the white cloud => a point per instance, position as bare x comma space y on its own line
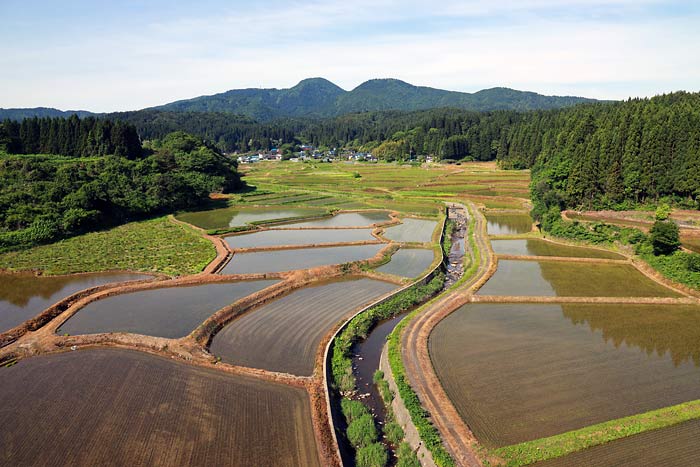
278, 47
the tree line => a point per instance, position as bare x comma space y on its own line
71, 136
47, 197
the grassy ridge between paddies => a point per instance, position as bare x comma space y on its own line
156, 245
577, 440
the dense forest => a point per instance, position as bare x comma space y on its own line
610, 156
47, 197
73, 137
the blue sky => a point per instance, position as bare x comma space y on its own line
122, 55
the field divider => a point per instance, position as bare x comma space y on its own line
608, 300
566, 443
567, 259
327, 356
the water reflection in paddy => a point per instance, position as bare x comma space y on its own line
24, 296
508, 224
166, 312
302, 258
517, 372
570, 279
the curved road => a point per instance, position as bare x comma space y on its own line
456, 435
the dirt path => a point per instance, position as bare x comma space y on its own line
456, 435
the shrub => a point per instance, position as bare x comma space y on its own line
407, 458
352, 410
373, 455
693, 262
394, 433
665, 237
361, 431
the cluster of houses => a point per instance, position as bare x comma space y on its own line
307, 152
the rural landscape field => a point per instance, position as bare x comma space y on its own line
474, 242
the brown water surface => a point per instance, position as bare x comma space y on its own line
167, 312
301, 258
284, 335
521, 372
570, 279
508, 224
537, 247
24, 296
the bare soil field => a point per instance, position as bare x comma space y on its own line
675, 446
24, 295
132, 408
301, 258
518, 372
284, 335
166, 312
571, 279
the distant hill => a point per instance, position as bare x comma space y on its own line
21, 114
318, 97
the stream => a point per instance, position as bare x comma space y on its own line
366, 354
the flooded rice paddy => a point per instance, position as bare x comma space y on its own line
412, 230
284, 335
508, 224
171, 312
346, 219
24, 296
675, 446
133, 408
570, 279
302, 258
408, 262
537, 247
268, 238
237, 217
521, 372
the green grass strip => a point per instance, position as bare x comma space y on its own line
577, 440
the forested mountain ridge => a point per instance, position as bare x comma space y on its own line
318, 97
41, 112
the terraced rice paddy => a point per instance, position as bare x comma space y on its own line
570, 279
691, 243
119, 407
408, 262
168, 312
508, 224
521, 372
284, 335
675, 446
537, 247
237, 217
412, 230
268, 238
24, 296
347, 219
302, 258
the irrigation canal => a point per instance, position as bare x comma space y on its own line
366, 354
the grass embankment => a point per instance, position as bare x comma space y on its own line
361, 430
577, 440
156, 245
680, 267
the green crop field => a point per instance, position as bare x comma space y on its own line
157, 245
